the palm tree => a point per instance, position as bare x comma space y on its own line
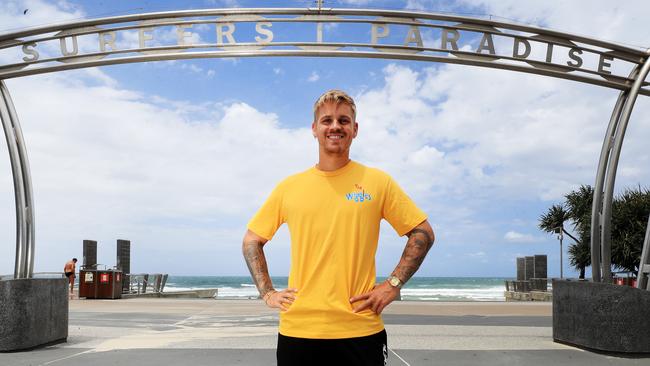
553, 222
554, 219
577, 210
579, 204
629, 220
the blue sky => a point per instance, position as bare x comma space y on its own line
176, 156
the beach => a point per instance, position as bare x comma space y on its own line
162, 332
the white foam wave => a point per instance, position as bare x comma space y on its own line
422, 294
478, 294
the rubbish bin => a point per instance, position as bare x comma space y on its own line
109, 284
88, 283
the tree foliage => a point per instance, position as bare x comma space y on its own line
630, 212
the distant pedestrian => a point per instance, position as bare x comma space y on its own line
69, 270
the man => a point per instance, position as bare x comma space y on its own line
331, 310
69, 270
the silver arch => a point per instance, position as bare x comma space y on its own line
409, 45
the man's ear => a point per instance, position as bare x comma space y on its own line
313, 129
356, 129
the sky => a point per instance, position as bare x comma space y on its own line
176, 156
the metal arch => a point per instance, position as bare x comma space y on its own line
630, 87
312, 11
541, 37
596, 215
25, 230
611, 171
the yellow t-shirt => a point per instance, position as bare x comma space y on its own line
333, 220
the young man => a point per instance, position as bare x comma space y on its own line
69, 270
330, 314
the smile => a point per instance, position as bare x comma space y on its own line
335, 137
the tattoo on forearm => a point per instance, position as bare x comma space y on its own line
417, 247
256, 262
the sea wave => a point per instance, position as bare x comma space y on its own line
418, 289
454, 294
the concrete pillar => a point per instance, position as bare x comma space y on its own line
521, 268
541, 266
33, 313
124, 261
530, 268
90, 253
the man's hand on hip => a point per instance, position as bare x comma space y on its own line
281, 299
377, 299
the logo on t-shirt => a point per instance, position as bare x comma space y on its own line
359, 196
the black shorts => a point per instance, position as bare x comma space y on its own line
371, 350
68, 274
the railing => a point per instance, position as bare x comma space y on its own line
140, 283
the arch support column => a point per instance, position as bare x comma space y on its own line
23, 195
601, 217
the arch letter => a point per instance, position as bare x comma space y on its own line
515, 48
446, 39
104, 40
602, 64
413, 36
182, 34
486, 44
375, 35
549, 52
228, 33
259, 28
573, 54
64, 46
145, 36
30, 52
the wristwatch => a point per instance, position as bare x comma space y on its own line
395, 282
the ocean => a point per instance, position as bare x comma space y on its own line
418, 288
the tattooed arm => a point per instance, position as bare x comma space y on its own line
420, 240
252, 248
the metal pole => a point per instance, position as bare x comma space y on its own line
30, 231
20, 270
600, 181
561, 266
610, 179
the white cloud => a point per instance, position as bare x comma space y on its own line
468, 144
313, 77
515, 237
113, 164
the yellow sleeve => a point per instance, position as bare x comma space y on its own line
269, 217
399, 210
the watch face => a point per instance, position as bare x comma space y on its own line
394, 281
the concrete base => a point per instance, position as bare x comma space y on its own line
33, 312
601, 316
528, 296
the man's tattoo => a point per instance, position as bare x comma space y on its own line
417, 247
256, 262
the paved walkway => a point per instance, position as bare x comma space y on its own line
240, 332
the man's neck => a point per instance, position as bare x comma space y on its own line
329, 163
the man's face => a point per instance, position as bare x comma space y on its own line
335, 128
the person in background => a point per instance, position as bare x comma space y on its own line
69, 270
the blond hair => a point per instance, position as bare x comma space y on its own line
337, 96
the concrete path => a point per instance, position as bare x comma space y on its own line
240, 332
